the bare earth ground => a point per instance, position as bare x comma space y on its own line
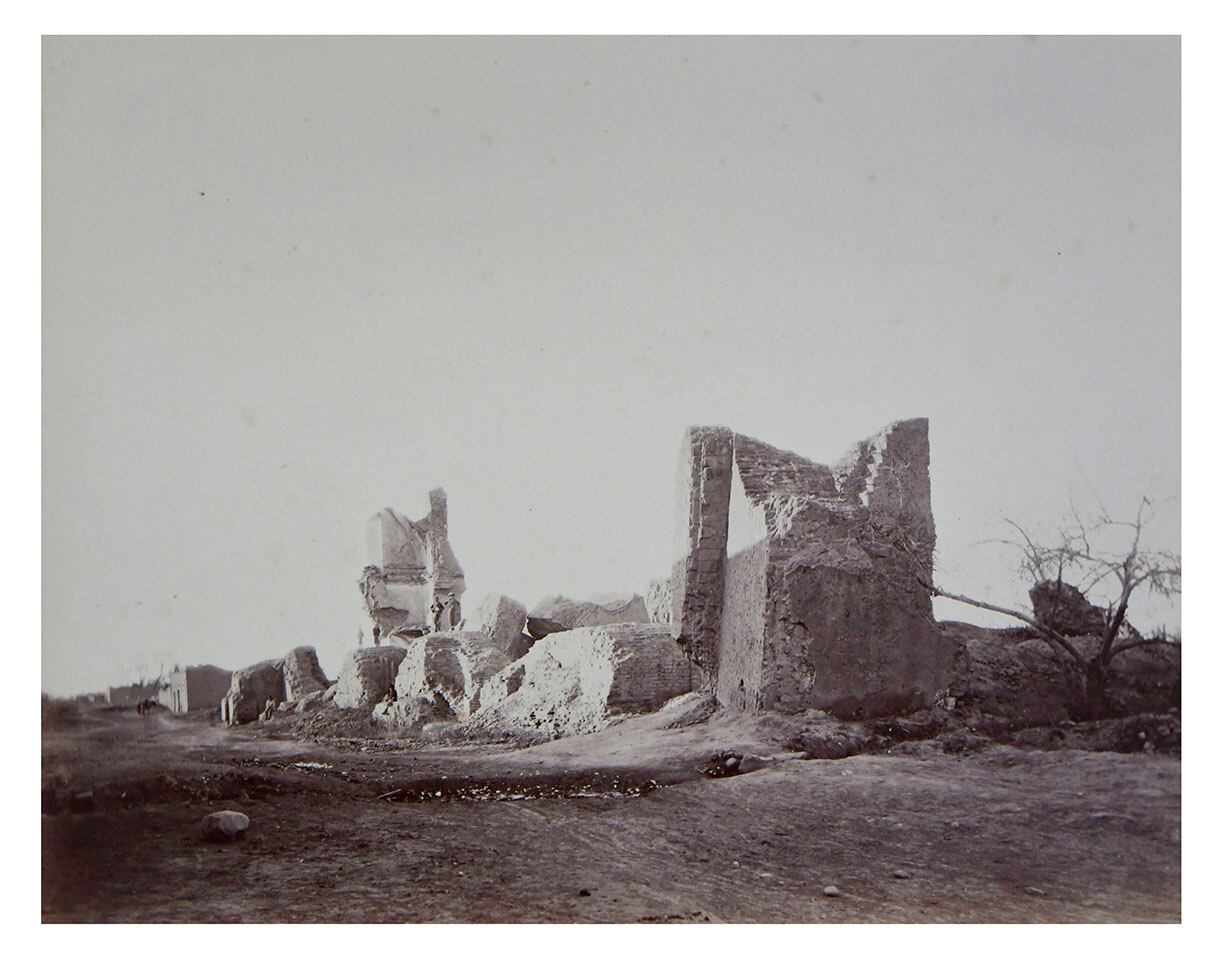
1097, 835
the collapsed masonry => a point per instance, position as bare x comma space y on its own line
411, 569
279, 681
799, 584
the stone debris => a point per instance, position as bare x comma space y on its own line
799, 583
411, 569
446, 669
585, 614
503, 621
302, 674
251, 689
539, 628
367, 675
311, 701
900, 873
226, 826
578, 681
831, 891
1033, 890
752, 763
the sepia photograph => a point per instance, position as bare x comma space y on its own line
610, 478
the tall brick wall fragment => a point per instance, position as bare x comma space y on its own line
697, 580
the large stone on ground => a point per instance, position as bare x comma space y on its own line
1065, 609
629, 609
224, 826
366, 675
447, 669
502, 620
579, 681
302, 674
251, 688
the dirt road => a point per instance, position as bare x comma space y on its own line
1003, 835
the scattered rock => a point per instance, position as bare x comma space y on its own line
1033, 890
901, 873
226, 826
584, 893
831, 891
732, 762
751, 763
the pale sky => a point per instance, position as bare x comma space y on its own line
288, 282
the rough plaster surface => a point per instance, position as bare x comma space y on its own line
577, 681
657, 601
367, 674
817, 603
629, 609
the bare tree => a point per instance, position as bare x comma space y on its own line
1105, 555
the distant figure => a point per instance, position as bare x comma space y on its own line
453, 611
375, 634
360, 637
390, 698
436, 610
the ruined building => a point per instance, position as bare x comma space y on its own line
800, 585
197, 686
410, 565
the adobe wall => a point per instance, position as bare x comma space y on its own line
198, 687
818, 603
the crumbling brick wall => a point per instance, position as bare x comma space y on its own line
819, 598
697, 581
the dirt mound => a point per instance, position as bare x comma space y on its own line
1002, 673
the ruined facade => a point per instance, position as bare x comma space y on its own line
800, 585
409, 564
